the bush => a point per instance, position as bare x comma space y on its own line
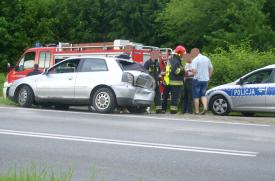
2, 80
237, 61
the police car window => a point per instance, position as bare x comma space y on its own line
94, 65
69, 66
260, 77
272, 79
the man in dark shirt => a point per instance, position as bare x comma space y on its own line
35, 71
127, 52
153, 67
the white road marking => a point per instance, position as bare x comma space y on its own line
130, 143
138, 116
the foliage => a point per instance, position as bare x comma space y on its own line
211, 24
237, 61
35, 174
2, 80
205, 24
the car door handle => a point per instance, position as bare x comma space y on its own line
70, 78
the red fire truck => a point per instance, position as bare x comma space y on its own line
51, 54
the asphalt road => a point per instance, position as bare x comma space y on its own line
125, 147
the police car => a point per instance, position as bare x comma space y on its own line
254, 92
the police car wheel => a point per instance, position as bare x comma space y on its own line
219, 105
103, 101
25, 97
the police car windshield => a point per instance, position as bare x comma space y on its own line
130, 65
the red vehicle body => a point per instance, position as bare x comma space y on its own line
47, 56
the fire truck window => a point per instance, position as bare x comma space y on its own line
28, 62
44, 59
93, 65
69, 66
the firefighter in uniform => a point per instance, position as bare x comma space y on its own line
153, 67
176, 77
167, 88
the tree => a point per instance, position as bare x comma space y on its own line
210, 24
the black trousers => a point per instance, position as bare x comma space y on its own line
175, 96
157, 99
165, 96
188, 98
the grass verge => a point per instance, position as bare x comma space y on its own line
35, 174
2, 80
6, 102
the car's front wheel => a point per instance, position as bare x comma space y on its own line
25, 96
219, 105
103, 100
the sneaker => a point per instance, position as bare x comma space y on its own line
203, 112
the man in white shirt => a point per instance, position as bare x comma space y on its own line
202, 69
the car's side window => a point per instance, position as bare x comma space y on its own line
44, 59
94, 65
260, 77
272, 79
69, 66
27, 62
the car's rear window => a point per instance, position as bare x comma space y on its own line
130, 65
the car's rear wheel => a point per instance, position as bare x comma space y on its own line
103, 100
25, 96
219, 105
137, 109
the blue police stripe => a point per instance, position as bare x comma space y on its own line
270, 91
244, 92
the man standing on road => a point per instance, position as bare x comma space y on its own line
188, 79
202, 69
167, 88
176, 74
153, 67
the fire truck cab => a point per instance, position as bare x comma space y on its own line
51, 54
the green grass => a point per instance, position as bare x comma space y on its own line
6, 102
35, 174
2, 80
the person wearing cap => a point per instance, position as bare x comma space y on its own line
175, 77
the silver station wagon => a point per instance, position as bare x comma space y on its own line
254, 92
101, 83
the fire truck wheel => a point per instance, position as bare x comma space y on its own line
25, 96
137, 109
103, 100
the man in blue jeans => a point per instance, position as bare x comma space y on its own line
202, 69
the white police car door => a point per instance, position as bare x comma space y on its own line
270, 93
251, 95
